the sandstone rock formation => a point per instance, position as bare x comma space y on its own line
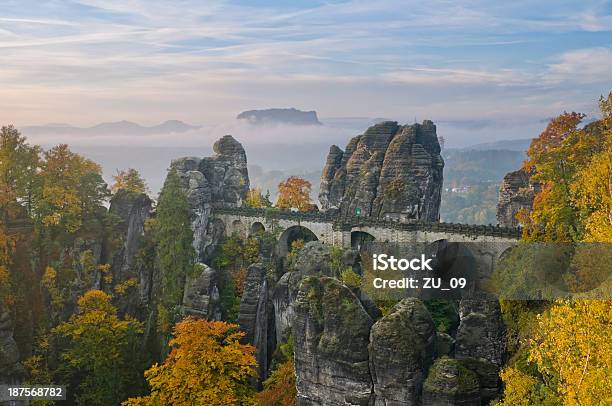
331, 332
390, 171
313, 259
132, 210
401, 350
517, 192
256, 317
201, 295
220, 180
450, 383
481, 332
11, 370
226, 172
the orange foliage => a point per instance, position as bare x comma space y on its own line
238, 277
280, 387
294, 193
207, 366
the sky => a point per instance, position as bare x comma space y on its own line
498, 67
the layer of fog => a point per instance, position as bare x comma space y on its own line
274, 152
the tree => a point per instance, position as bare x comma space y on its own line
100, 351
129, 180
174, 240
72, 189
555, 160
207, 366
19, 163
279, 388
566, 354
294, 193
592, 187
572, 349
255, 198
572, 353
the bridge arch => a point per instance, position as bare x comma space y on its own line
257, 228
292, 234
238, 227
359, 238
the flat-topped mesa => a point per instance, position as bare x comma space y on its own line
391, 171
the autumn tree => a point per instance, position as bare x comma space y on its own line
255, 198
294, 193
592, 187
565, 356
572, 350
558, 159
279, 388
71, 189
207, 366
99, 352
18, 167
129, 180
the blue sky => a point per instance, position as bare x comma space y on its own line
503, 63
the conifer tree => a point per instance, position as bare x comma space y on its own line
174, 239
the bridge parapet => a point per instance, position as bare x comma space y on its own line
349, 222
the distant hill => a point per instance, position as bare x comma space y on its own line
471, 183
512, 145
468, 167
280, 116
113, 128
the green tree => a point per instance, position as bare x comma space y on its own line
255, 198
100, 350
19, 163
174, 240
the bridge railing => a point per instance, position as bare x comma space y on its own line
345, 222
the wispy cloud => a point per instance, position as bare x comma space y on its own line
90, 60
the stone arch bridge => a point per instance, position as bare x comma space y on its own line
349, 231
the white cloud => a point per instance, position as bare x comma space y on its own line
444, 77
588, 65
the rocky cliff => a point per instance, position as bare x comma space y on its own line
131, 210
331, 331
401, 351
220, 180
256, 317
11, 371
390, 171
517, 192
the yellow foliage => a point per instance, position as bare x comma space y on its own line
6, 295
100, 350
254, 198
123, 287
294, 193
279, 388
207, 366
519, 388
130, 181
592, 192
573, 350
